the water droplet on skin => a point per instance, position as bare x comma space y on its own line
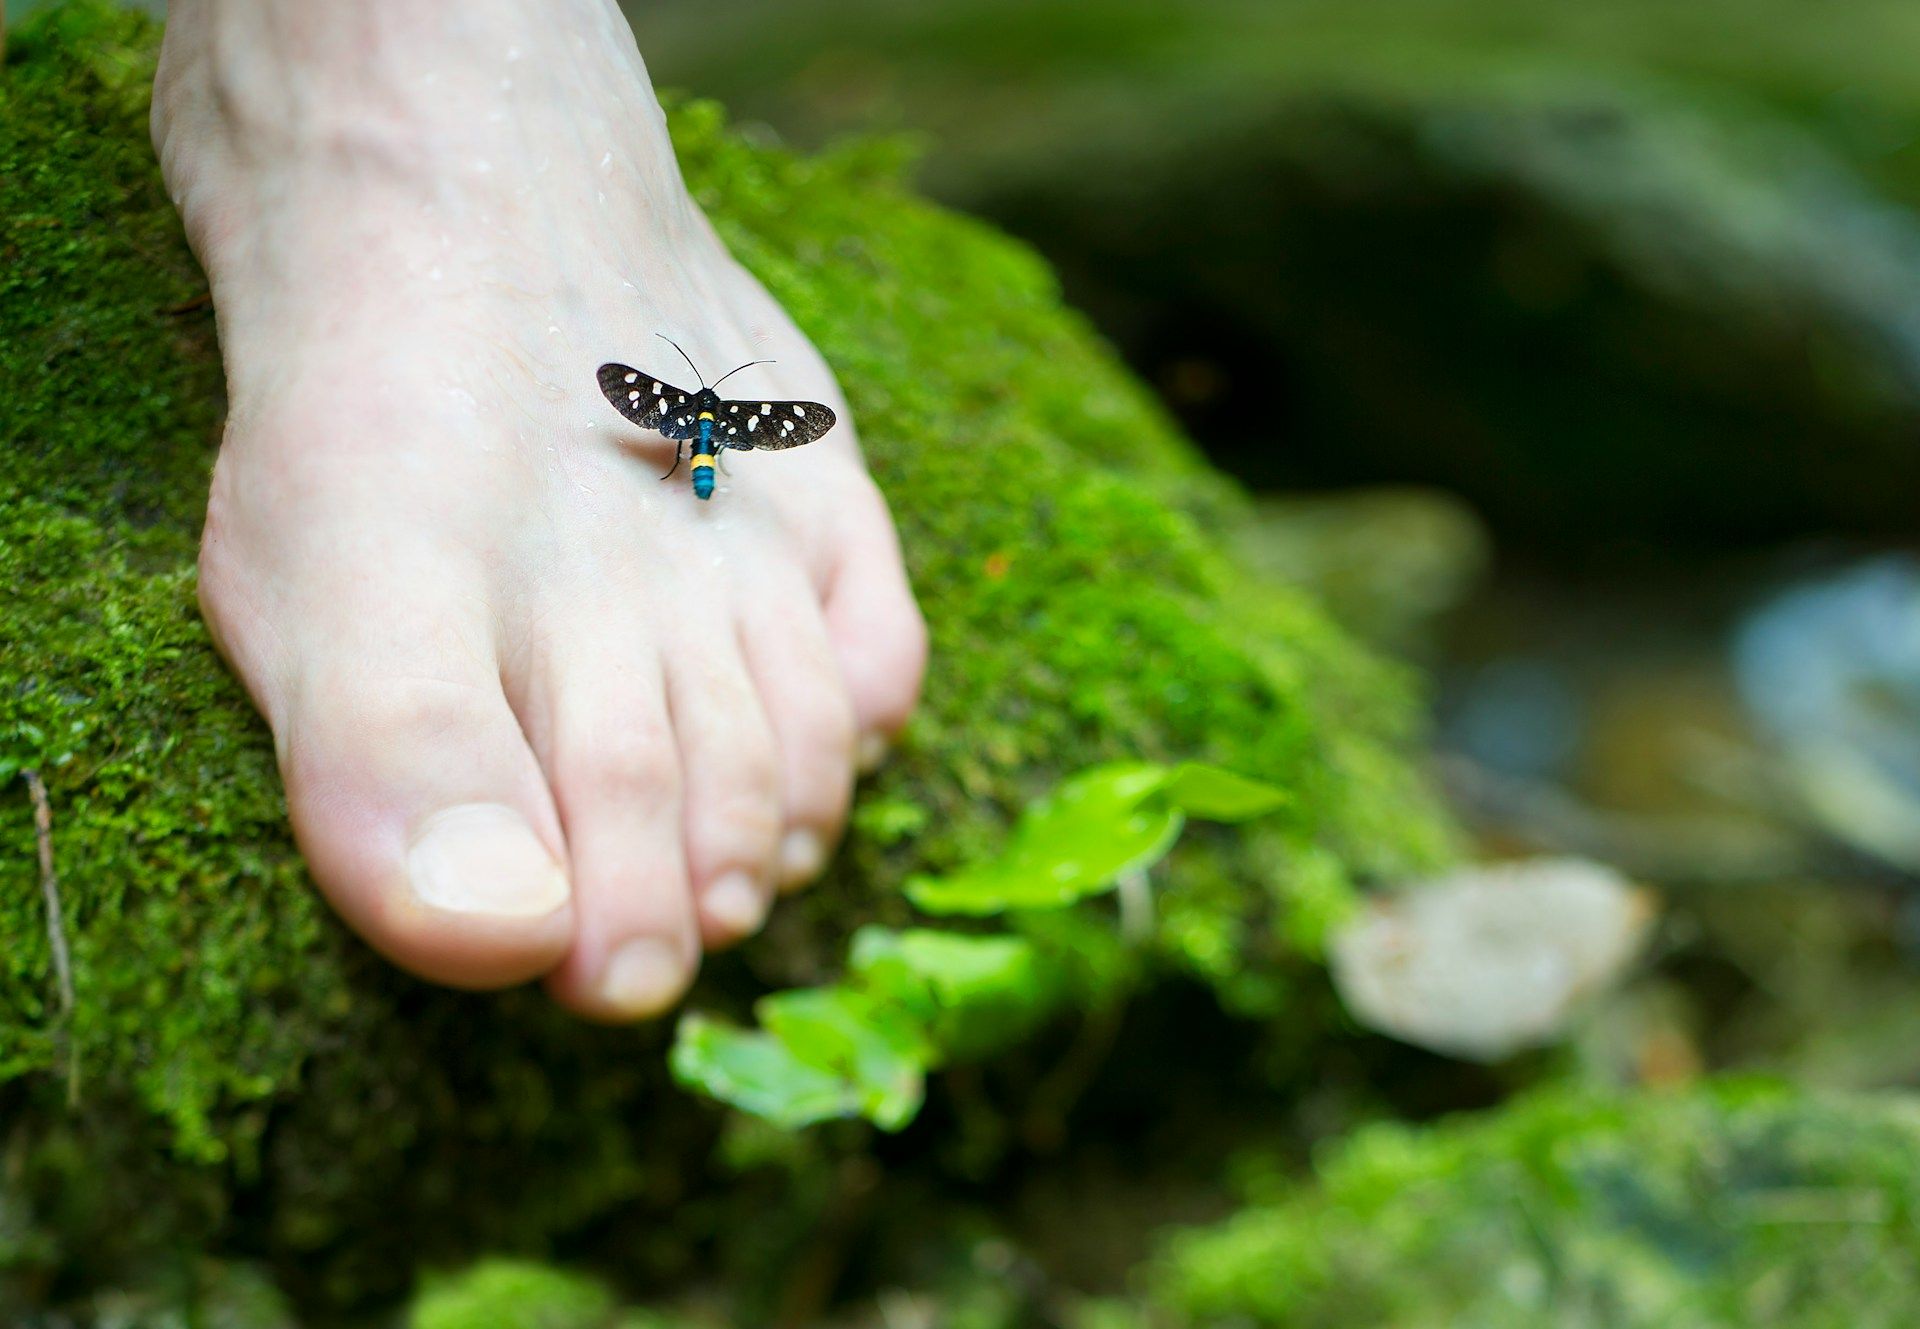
606, 161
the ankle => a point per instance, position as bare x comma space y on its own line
407, 86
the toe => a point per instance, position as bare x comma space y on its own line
878, 635
798, 678
601, 729
425, 817
732, 771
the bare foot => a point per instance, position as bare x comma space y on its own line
538, 712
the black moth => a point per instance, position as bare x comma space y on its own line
711, 423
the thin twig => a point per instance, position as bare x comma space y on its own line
50, 889
56, 925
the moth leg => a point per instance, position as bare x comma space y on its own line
679, 448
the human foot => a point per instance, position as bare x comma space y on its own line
537, 712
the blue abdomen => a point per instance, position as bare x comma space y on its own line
703, 453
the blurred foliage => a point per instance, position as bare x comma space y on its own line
1746, 1205
512, 1294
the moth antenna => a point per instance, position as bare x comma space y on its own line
684, 356
731, 372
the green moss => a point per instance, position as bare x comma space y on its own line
240, 1074
1737, 1205
508, 1294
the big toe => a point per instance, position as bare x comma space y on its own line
423, 813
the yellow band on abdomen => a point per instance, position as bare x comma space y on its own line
704, 461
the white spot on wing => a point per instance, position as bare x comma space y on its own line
634, 395
752, 420
766, 408
798, 409
659, 388
633, 378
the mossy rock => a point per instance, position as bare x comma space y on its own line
238, 1074
1730, 1207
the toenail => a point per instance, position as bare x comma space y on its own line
644, 977
735, 905
483, 858
802, 855
872, 751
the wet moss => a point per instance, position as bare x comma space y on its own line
238, 1074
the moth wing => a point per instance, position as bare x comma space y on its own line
649, 402
773, 425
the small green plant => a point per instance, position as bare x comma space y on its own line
914, 998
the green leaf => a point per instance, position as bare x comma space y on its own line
1216, 794
877, 1048
1075, 843
968, 991
950, 969
758, 1073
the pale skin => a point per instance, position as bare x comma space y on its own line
539, 713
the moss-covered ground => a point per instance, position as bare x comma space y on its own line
239, 1077
1739, 1206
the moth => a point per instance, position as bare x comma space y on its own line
711, 423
